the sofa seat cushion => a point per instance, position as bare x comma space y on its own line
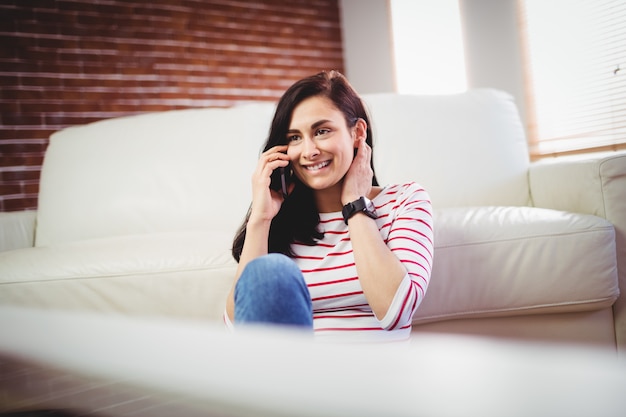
503, 261
184, 274
489, 261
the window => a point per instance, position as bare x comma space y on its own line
576, 75
428, 46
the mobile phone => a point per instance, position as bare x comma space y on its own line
279, 180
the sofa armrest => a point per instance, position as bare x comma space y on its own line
590, 185
17, 229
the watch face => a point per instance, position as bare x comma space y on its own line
369, 207
361, 205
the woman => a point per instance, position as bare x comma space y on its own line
347, 257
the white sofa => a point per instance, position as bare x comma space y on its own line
137, 214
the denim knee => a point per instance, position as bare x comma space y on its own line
271, 289
274, 266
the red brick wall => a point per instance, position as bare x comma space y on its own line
67, 62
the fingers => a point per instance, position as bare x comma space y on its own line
277, 153
273, 158
269, 161
282, 149
358, 180
265, 201
363, 146
364, 153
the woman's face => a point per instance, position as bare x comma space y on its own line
321, 146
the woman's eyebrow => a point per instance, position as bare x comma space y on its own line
318, 123
313, 126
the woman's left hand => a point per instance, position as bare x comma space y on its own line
358, 179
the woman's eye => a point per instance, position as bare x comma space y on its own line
293, 138
320, 132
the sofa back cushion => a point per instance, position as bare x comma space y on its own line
191, 169
466, 149
159, 172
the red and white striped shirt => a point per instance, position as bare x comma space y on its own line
340, 309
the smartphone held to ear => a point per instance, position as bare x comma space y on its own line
279, 180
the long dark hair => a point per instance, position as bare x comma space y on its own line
298, 218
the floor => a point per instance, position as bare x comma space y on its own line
28, 390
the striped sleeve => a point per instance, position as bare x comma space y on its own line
408, 228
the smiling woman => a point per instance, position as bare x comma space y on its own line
338, 253
323, 149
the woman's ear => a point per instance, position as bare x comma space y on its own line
360, 131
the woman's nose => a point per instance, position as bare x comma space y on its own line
309, 149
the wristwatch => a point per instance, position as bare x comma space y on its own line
362, 204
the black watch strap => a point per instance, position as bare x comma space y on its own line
360, 205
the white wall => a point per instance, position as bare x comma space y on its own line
491, 42
368, 45
493, 53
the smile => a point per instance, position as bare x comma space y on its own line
317, 166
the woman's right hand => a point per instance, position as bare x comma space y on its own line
265, 206
265, 201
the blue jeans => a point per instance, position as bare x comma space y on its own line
271, 290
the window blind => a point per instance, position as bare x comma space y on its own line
576, 74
